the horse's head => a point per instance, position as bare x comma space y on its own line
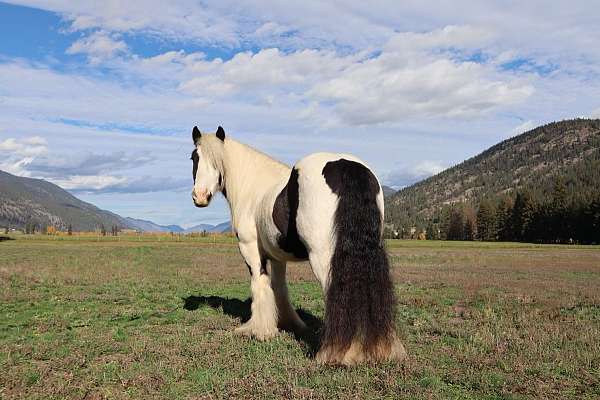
208, 165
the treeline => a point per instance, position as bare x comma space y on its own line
33, 227
524, 216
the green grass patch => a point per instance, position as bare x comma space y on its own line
110, 319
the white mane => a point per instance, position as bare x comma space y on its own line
248, 173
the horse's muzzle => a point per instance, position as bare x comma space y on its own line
201, 201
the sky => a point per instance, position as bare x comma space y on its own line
101, 97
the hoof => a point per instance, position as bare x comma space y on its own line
385, 350
250, 329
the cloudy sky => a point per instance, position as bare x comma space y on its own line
100, 96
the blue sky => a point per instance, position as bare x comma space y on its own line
100, 97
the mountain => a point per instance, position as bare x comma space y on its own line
387, 191
224, 227
534, 160
27, 200
36, 201
149, 226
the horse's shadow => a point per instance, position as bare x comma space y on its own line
236, 308
4, 238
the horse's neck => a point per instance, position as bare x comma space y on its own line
249, 175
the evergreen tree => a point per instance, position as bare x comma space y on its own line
504, 230
486, 221
524, 212
593, 218
541, 227
470, 228
456, 224
432, 232
559, 226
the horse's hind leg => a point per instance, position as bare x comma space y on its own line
288, 318
263, 322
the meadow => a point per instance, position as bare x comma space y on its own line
153, 317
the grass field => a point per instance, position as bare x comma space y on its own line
97, 318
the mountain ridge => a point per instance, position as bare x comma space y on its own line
533, 159
36, 201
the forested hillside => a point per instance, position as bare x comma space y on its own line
542, 185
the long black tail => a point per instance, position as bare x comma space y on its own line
360, 302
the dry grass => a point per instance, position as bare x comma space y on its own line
87, 319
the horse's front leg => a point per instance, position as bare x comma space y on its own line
263, 322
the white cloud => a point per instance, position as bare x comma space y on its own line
428, 168
522, 128
17, 154
270, 30
360, 88
385, 90
268, 70
448, 37
595, 113
38, 92
89, 183
98, 46
177, 20
27, 147
565, 31
120, 184
79, 163
408, 174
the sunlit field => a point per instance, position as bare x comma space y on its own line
153, 317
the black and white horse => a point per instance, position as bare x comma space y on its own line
328, 209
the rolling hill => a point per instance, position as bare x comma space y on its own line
568, 149
224, 227
27, 200
149, 226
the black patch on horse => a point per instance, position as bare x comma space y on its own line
359, 303
285, 211
263, 266
195, 158
223, 190
350, 176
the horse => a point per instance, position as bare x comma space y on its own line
327, 209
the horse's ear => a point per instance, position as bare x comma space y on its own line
196, 134
221, 133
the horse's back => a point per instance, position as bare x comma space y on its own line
298, 217
327, 175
